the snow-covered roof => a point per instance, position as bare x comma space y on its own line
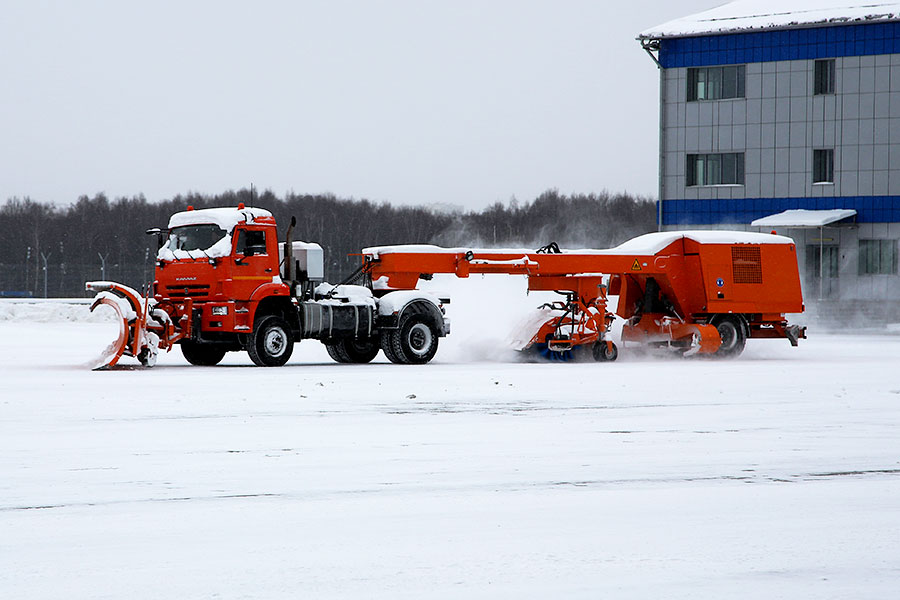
754, 15
804, 218
651, 243
226, 218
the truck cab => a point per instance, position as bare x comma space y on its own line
224, 262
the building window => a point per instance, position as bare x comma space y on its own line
715, 169
823, 82
716, 83
877, 257
823, 166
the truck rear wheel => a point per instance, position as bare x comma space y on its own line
731, 330
360, 351
387, 345
336, 352
271, 342
202, 355
353, 351
414, 342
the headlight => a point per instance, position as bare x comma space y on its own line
219, 311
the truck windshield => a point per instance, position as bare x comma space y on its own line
195, 237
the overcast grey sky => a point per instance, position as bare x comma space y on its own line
412, 102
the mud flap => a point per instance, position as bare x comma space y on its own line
794, 333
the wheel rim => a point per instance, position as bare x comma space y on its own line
602, 352
728, 333
419, 339
275, 342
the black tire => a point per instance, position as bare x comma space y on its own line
271, 342
202, 355
336, 352
360, 351
414, 342
732, 332
353, 351
387, 346
605, 353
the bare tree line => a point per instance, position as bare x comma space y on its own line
56, 249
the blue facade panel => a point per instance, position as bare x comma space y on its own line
869, 209
794, 44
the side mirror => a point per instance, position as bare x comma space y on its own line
159, 233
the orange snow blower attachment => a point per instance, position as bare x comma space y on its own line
700, 292
132, 318
144, 327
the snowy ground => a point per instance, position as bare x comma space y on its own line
775, 475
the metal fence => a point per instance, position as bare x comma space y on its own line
66, 280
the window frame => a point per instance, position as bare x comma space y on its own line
823, 166
824, 71
713, 169
242, 244
878, 256
710, 83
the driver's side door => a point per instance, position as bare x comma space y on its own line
252, 264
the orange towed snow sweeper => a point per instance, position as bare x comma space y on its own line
702, 292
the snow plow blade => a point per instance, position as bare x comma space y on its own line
128, 305
114, 351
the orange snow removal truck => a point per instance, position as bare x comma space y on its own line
223, 282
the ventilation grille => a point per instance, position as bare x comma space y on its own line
746, 265
187, 291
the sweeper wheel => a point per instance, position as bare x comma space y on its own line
605, 352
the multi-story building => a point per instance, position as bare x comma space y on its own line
786, 116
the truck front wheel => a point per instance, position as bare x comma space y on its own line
202, 355
271, 342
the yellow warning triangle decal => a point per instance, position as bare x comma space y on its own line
636, 266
